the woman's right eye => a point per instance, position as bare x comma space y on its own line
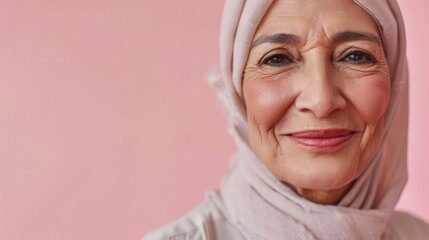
277, 60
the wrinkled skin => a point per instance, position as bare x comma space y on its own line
317, 81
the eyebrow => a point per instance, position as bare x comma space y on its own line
276, 38
287, 38
355, 36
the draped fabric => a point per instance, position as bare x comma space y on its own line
261, 206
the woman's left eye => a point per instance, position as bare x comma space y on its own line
358, 57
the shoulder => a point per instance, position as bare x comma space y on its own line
406, 226
205, 221
186, 227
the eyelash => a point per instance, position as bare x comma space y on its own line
279, 57
284, 59
367, 58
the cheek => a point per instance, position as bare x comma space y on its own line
370, 96
266, 101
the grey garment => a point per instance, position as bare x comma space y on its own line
207, 222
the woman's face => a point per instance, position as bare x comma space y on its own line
316, 88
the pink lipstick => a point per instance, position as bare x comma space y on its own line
323, 138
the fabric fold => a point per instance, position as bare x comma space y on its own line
254, 199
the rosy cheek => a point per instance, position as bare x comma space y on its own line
266, 101
370, 96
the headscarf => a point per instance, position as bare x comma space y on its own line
261, 205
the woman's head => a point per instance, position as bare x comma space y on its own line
379, 169
316, 87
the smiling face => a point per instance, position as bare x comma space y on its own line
316, 87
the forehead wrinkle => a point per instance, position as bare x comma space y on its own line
285, 10
316, 37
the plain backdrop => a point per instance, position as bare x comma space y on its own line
108, 127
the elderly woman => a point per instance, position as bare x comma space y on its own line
317, 96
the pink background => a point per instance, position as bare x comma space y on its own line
108, 127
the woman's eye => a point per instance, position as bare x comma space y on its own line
358, 57
277, 60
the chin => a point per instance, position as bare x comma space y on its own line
323, 180
323, 172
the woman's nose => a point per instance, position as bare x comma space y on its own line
320, 93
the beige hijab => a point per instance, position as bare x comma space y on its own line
258, 203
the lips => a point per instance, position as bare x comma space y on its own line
322, 139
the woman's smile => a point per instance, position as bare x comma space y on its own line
325, 140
